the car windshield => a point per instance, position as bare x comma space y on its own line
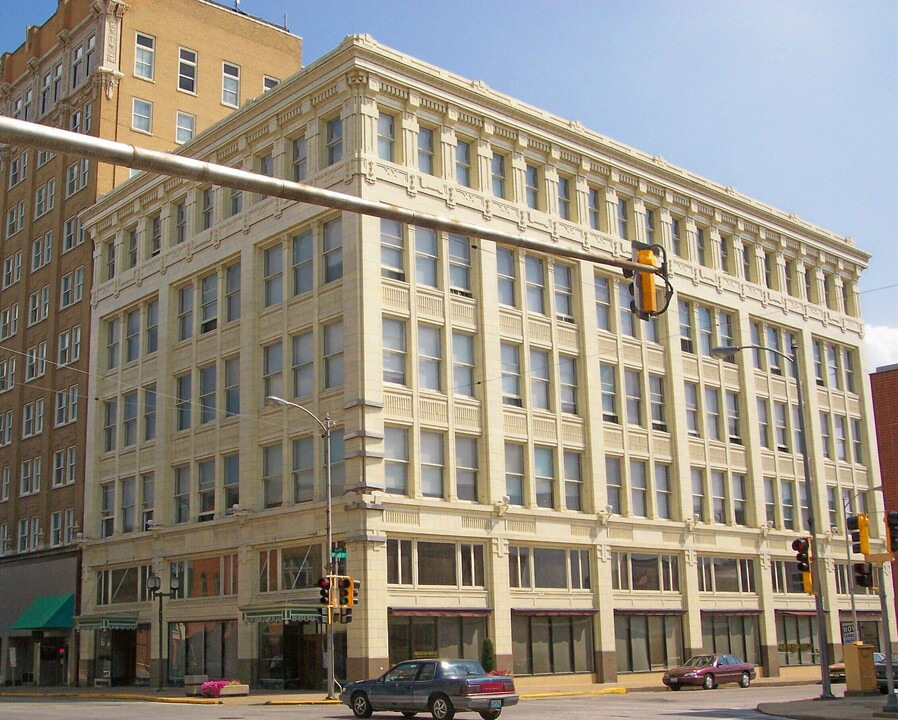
700, 661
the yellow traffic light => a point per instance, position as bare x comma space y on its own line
648, 294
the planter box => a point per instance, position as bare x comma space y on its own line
192, 684
234, 690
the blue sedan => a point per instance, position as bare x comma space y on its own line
440, 687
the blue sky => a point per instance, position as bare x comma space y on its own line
792, 102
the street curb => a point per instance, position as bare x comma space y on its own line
106, 696
524, 696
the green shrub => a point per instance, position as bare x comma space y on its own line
488, 655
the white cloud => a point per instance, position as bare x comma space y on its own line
881, 346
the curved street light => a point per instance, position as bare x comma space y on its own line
729, 351
325, 426
154, 585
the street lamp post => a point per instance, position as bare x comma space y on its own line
329, 567
154, 585
728, 351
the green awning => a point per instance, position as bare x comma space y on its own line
46, 612
282, 613
106, 622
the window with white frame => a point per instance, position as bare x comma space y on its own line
396, 460
510, 356
395, 350
12, 269
497, 174
430, 358
635, 572
506, 270
726, 575
459, 265
185, 127
9, 321
187, 70
463, 167
386, 136
230, 84
6, 428
392, 249
432, 463
333, 139
536, 283
144, 56
332, 254
36, 361
66, 408
7, 374
466, 467
426, 151
142, 115
333, 354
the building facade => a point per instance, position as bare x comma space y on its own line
119, 71
884, 386
515, 456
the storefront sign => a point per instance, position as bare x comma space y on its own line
12, 656
848, 633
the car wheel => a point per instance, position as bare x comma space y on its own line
675, 687
441, 708
490, 714
708, 682
361, 706
745, 680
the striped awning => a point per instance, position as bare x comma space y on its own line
106, 622
282, 613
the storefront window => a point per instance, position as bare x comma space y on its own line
732, 634
796, 639
203, 648
648, 642
551, 644
436, 636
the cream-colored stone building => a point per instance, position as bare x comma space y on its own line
119, 71
515, 457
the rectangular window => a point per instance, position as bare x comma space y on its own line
506, 269
608, 375
432, 464
622, 218
332, 255
185, 313
187, 70
386, 137
662, 491
698, 494
564, 292
514, 473
144, 51
430, 358
656, 400
573, 480
539, 379
129, 418
544, 476
564, 197
149, 412
686, 335
463, 364
603, 303
142, 115
633, 388
466, 466
230, 84
205, 471
712, 413
511, 374
638, 489
733, 426
426, 152
272, 476
459, 265
497, 174
531, 186
567, 383
536, 282
426, 257
232, 386
333, 141
463, 163
691, 392
300, 159
272, 370
183, 400
392, 250
208, 393
333, 355
763, 423
185, 127
396, 460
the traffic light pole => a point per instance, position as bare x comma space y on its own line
891, 705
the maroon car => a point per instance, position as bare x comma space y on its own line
709, 671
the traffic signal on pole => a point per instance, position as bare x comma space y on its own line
643, 286
356, 584
345, 615
859, 527
326, 586
802, 548
344, 588
863, 574
892, 530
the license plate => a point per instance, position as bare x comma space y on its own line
494, 704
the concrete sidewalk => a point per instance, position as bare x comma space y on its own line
857, 708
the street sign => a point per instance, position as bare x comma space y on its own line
848, 633
338, 554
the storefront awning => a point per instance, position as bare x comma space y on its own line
440, 612
548, 613
47, 612
282, 613
106, 622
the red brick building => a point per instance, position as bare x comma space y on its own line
884, 385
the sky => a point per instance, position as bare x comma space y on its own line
791, 102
